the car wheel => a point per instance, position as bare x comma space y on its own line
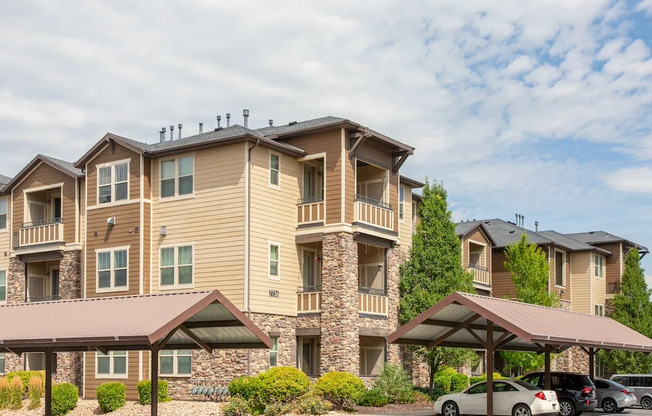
450, 409
646, 402
566, 408
609, 405
521, 410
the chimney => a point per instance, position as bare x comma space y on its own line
271, 122
180, 127
201, 128
228, 119
245, 114
162, 133
536, 225
171, 132
219, 119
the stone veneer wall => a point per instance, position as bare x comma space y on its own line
16, 281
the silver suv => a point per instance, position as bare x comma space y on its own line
640, 383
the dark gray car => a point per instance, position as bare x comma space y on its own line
613, 397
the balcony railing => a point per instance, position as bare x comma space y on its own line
310, 210
613, 288
372, 301
40, 232
42, 298
373, 212
480, 274
308, 299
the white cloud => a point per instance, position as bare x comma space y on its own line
638, 180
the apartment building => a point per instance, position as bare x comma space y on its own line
477, 257
302, 226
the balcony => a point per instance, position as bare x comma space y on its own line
613, 288
42, 298
41, 232
480, 275
372, 212
372, 301
310, 210
309, 299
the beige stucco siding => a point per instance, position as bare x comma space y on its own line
274, 220
581, 282
212, 219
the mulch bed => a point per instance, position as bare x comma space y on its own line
393, 408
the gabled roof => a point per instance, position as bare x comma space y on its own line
4, 180
603, 237
517, 326
505, 233
58, 164
413, 183
571, 243
465, 228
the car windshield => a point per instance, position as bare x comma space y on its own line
526, 385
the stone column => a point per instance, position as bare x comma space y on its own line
16, 281
70, 275
393, 295
340, 349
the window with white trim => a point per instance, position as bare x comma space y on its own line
3, 213
599, 310
112, 182
176, 267
372, 359
112, 270
177, 176
113, 364
274, 169
175, 363
598, 263
273, 352
401, 202
274, 261
3, 286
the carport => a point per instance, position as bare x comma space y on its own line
464, 320
191, 320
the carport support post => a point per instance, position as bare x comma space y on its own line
49, 355
546, 354
592, 363
490, 368
154, 379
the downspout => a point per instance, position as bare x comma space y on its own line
247, 242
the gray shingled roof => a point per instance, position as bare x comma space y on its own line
302, 125
505, 233
603, 237
465, 227
4, 179
68, 166
572, 244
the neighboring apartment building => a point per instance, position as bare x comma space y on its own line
477, 254
302, 226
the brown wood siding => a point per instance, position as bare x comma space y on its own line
102, 236
5, 236
567, 288
580, 283
329, 143
405, 226
612, 267
45, 175
147, 180
350, 190
502, 283
91, 384
109, 155
393, 197
147, 246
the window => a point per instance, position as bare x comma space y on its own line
311, 270
112, 270
176, 266
112, 182
560, 268
371, 359
273, 353
599, 310
599, 265
175, 363
401, 201
274, 170
3, 286
3, 213
113, 364
308, 355
478, 389
274, 261
177, 177
2, 363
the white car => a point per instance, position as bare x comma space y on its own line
511, 397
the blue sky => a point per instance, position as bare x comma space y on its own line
542, 107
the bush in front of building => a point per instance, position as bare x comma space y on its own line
16, 394
477, 379
144, 388
25, 376
246, 387
35, 391
372, 398
395, 383
282, 385
236, 406
339, 388
441, 384
111, 396
64, 398
459, 382
5, 393
309, 404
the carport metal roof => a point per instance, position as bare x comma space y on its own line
190, 320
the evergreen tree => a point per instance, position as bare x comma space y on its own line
434, 271
631, 307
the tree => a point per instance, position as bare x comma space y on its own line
434, 271
631, 307
530, 272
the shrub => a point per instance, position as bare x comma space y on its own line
275, 409
237, 406
282, 384
339, 388
5, 393
441, 384
111, 396
246, 387
459, 382
447, 370
64, 398
395, 383
477, 379
16, 394
144, 388
35, 391
372, 398
420, 397
309, 404
25, 376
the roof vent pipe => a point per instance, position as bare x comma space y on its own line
522, 220
171, 132
180, 127
536, 225
516, 215
162, 133
271, 122
219, 119
201, 128
228, 119
245, 114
